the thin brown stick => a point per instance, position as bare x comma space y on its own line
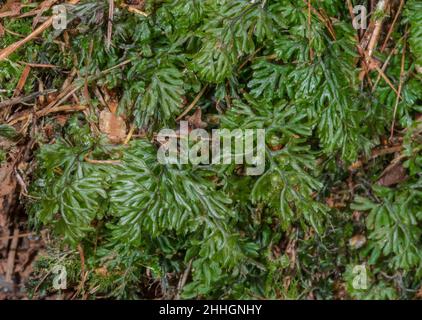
387, 61
375, 154
193, 104
390, 31
14, 11
42, 281
359, 45
350, 7
13, 33
44, 112
21, 235
64, 108
311, 51
116, 66
183, 280
157, 138
364, 39
44, 6
403, 59
251, 57
110, 22
326, 21
133, 9
15, 46
29, 14
38, 65
11, 257
82, 257
8, 14
381, 6
382, 74
62, 97
93, 161
70, 89
130, 134
22, 81
22, 99
384, 151
352, 17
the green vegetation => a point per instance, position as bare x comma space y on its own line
333, 194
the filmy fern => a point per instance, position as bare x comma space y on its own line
269, 64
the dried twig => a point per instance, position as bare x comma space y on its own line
323, 19
44, 112
193, 104
382, 74
70, 89
14, 7
30, 13
93, 161
183, 280
311, 51
12, 32
133, 9
129, 135
82, 257
22, 81
392, 26
49, 272
381, 6
11, 257
375, 154
15, 46
403, 59
383, 151
21, 235
387, 61
38, 65
110, 22
27, 98
44, 6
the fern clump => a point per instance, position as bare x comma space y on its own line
341, 185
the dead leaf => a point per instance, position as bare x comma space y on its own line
330, 202
62, 119
212, 119
10, 9
196, 120
1, 30
112, 105
392, 175
357, 241
374, 64
112, 125
52, 97
49, 130
22, 81
291, 251
7, 192
340, 291
44, 6
139, 4
102, 271
355, 165
419, 293
356, 216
